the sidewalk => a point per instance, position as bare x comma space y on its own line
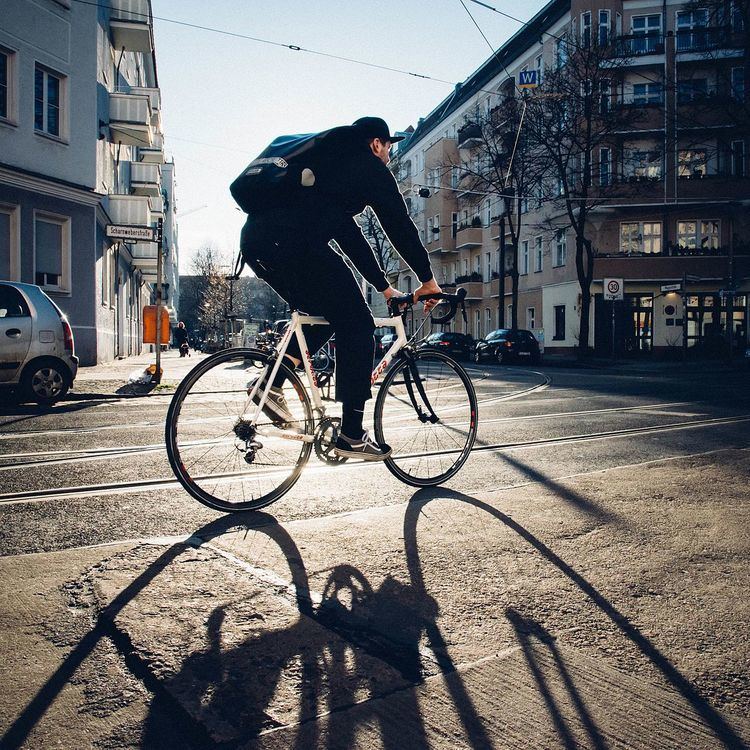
602, 611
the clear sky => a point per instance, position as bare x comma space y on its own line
225, 98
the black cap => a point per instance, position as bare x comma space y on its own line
376, 127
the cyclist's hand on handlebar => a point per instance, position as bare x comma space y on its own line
429, 287
391, 292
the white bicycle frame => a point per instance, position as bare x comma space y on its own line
295, 329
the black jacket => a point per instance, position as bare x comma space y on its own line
349, 177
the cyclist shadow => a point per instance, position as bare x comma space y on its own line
232, 693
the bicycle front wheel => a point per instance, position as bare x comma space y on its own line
427, 412
219, 456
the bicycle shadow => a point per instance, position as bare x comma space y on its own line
525, 629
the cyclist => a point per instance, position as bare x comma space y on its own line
288, 247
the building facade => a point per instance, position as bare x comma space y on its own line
672, 219
81, 147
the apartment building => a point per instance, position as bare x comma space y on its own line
673, 186
81, 146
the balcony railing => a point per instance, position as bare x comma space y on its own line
639, 100
687, 94
145, 179
130, 25
130, 119
704, 39
639, 44
130, 209
153, 154
469, 136
468, 237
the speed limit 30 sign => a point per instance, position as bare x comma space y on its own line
614, 289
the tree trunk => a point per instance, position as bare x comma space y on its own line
585, 269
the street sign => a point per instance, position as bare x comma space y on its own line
614, 289
671, 288
132, 233
527, 79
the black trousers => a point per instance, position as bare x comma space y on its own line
314, 279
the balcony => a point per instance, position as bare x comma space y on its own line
445, 245
157, 207
468, 237
130, 209
130, 25
145, 179
470, 136
637, 45
473, 285
706, 39
144, 256
130, 119
699, 186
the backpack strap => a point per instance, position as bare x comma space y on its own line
239, 264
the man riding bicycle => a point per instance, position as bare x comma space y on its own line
288, 247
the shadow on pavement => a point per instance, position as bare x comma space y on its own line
672, 675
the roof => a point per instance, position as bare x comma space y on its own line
529, 34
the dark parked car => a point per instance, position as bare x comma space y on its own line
458, 345
505, 345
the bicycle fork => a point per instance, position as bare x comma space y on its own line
412, 379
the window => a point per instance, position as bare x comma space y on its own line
487, 319
487, 213
436, 228
586, 29
647, 93
10, 250
12, 303
692, 89
691, 30
561, 53
605, 96
7, 104
524, 258
738, 84
477, 262
466, 266
640, 237
539, 68
603, 31
52, 252
737, 160
561, 247
646, 31
530, 318
538, 254
407, 284
559, 334
692, 163
454, 224
477, 326
605, 166
643, 165
369, 291
429, 229
48, 92
694, 234
488, 269
455, 177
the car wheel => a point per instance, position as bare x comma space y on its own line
500, 356
45, 382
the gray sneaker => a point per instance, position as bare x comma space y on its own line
365, 448
275, 406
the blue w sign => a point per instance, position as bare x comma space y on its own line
527, 79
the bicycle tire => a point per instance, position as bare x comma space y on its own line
413, 456
238, 364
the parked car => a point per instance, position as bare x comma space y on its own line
37, 353
504, 345
458, 345
386, 342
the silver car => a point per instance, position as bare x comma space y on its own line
37, 353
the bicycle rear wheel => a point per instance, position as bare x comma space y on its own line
427, 412
218, 456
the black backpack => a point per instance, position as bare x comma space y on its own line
277, 173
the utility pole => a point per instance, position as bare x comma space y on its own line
159, 273
501, 273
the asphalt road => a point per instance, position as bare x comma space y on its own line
625, 490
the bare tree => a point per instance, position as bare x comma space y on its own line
374, 234
569, 118
211, 290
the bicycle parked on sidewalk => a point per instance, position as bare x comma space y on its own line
228, 455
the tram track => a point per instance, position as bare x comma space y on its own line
144, 485
11, 461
